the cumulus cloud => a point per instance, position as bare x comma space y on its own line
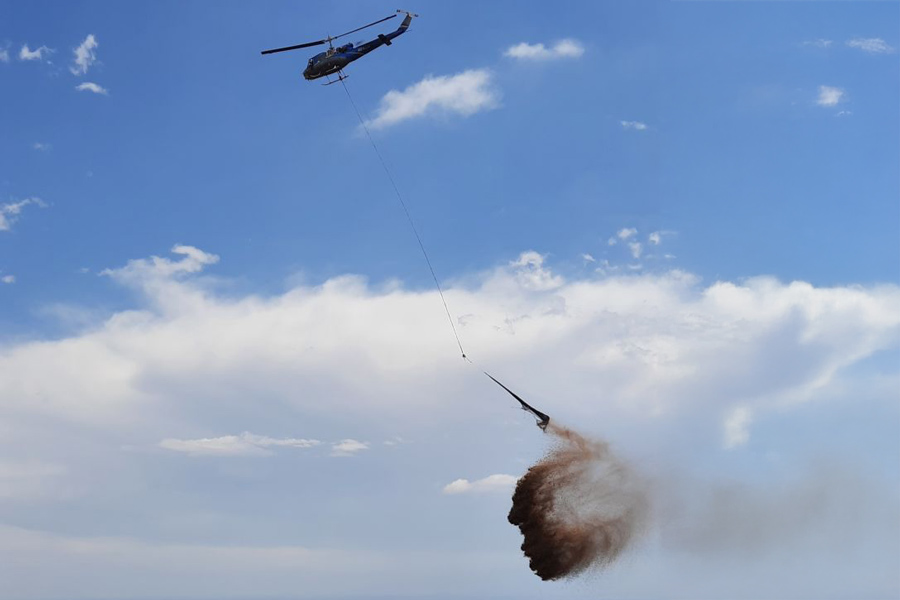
491, 483
348, 447
567, 48
871, 45
829, 96
463, 94
245, 444
84, 55
654, 353
88, 86
635, 125
760, 343
531, 274
9, 213
655, 238
38, 54
587, 258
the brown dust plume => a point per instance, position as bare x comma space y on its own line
577, 508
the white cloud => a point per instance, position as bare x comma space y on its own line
624, 235
819, 43
829, 96
761, 343
396, 441
626, 232
491, 483
871, 45
636, 249
245, 444
636, 125
663, 357
348, 447
736, 427
462, 94
844, 113
10, 212
8, 279
588, 258
567, 48
88, 86
144, 270
4, 55
84, 55
531, 274
655, 238
41, 146
26, 54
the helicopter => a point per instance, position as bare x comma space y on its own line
334, 59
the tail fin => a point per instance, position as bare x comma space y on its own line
405, 24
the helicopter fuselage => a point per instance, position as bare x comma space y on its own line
334, 59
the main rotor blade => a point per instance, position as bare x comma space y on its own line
307, 45
364, 26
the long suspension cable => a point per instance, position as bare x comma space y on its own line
408, 217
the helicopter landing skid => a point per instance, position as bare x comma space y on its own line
341, 76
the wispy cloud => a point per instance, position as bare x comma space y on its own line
819, 43
245, 444
38, 54
491, 483
4, 55
395, 441
41, 146
84, 55
655, 238
9, 213
829, 96
871, 45
636, 125
150, 268
348, 447
636, 249
462, 94
8, 279
567, 48
88, 86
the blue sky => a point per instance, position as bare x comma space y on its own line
691, 207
